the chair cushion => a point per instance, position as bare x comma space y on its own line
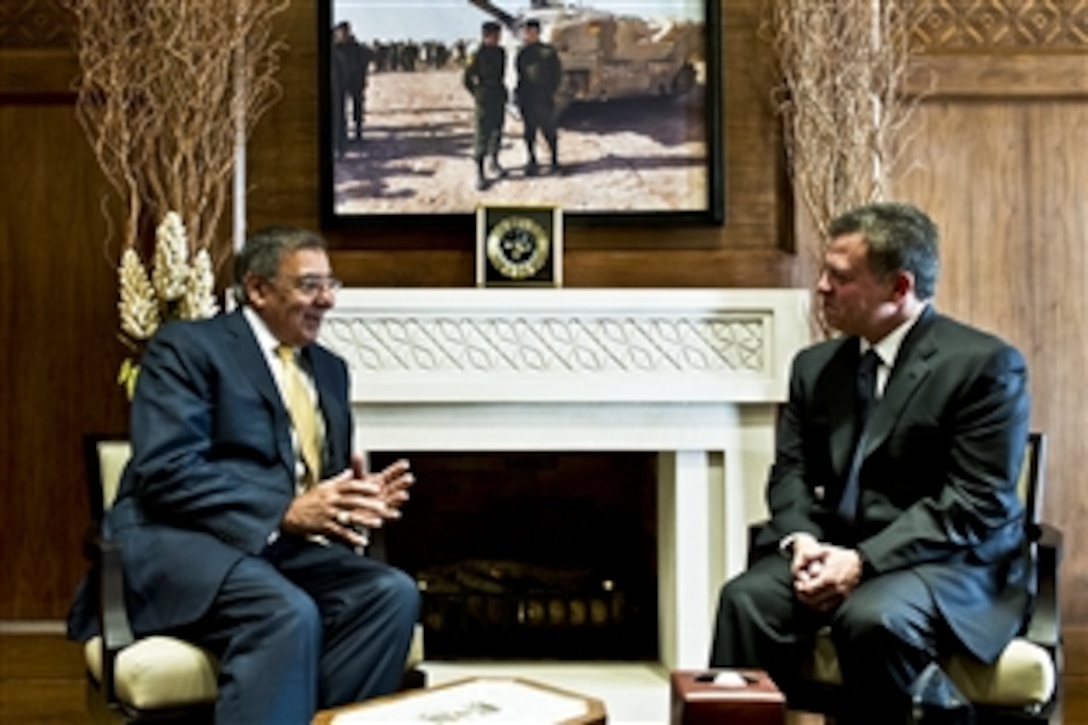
158, 672
415, 649
161, 672
1023, 676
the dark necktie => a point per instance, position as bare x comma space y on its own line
865, 402
866, 387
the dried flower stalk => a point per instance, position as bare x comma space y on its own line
199, 300
165, 85
138, 306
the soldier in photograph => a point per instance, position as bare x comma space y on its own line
539, 74
350, 65
483, 77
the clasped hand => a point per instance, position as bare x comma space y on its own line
348, 504
823, 574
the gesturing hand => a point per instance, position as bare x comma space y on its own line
394, 480
348, 504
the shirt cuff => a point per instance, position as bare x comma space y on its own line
785, 545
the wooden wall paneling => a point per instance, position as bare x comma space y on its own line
37, 72
999, 27
1058, 239
593, 268
967, 173
1003, 76
33, 24
59, 328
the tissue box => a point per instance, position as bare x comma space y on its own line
737, 697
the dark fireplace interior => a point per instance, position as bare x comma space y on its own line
532, 555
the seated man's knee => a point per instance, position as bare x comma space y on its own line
753, 589
860, 624
296, 615
399, 590
738, 588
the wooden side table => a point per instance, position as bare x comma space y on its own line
474, 699
752, 700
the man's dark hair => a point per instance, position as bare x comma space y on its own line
490, 27
263, 252
900, 237
533, 23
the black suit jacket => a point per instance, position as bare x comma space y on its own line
938, 477
213, 467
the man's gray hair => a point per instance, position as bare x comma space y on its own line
263, 252
900, 238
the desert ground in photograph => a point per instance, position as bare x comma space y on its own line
416, 154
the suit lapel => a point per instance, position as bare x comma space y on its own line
912, 366
254, 365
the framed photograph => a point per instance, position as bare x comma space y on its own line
609, 109
519, 246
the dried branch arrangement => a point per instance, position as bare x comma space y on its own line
166, 87
844, 66
163, 84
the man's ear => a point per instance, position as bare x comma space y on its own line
254, 287
902, 285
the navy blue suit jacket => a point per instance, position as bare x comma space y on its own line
938, 477
213, 467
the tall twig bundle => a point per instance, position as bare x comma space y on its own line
844, 66
165, 87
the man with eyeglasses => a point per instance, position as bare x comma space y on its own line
242, 516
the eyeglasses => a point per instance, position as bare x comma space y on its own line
311, 284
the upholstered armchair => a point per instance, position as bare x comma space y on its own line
1024, 683
151, 679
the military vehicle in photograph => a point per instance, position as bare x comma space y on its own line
607, 56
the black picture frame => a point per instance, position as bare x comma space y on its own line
414, 166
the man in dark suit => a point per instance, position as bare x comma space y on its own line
893, 502
232, 537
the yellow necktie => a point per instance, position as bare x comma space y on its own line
301, 409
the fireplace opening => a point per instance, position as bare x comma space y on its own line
532, 555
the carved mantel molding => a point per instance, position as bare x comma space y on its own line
584, 345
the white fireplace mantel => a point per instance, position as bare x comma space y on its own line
694, 375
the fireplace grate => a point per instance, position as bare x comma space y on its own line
509, 609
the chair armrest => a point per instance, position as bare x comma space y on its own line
113, 617
1044, 626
